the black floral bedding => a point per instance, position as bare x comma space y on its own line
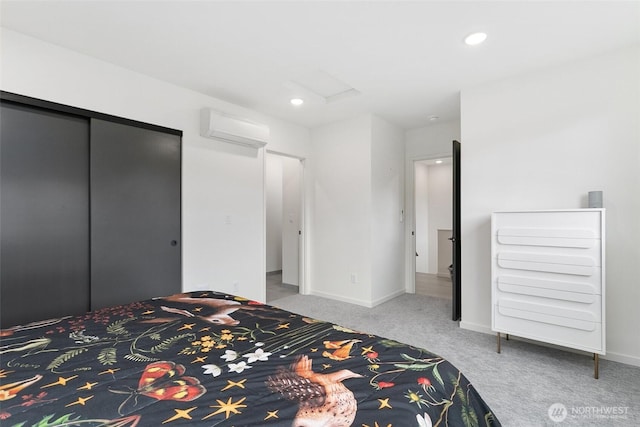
211, 359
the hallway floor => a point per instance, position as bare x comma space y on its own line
426, 284
276, 289
433, 285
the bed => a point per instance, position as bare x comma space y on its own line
212, 359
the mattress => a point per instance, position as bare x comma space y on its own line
213, 359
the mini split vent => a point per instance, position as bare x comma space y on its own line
233, 129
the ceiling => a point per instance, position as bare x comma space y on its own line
405, 60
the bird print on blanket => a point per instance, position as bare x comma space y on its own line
323, 401
207, 358
340, 350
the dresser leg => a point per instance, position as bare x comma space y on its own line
596, 363
498, 342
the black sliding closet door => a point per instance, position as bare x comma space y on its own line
44, 214
135, 213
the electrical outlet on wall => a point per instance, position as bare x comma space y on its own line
236, 287
354, 278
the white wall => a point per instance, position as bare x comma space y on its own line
291, 216
421, 198
387, 210
542, 141
433, 211
423, 143
221, 183
341, 245
357, 245
283, 215
440, 187
273, 184
431, 141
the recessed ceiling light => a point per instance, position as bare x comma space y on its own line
438, 161
297, 101
475, 38
433, 118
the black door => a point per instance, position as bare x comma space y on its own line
44, 214
135, 213
457, 267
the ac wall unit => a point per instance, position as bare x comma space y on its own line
233, 129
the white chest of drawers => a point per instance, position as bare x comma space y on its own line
548, 277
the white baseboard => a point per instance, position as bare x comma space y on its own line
342, 298
477, 327
622, 358
389, 297
368, 304
611, 355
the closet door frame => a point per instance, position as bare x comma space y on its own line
27, 101
89, 114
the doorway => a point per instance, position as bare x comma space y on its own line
284, 225
433, 195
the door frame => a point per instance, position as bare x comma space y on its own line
303, 283
410, 227
456, 288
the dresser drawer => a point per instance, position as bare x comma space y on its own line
579, 333
573, 264
555, 312
571, 224
560, 288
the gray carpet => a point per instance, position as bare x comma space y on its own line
520, 384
